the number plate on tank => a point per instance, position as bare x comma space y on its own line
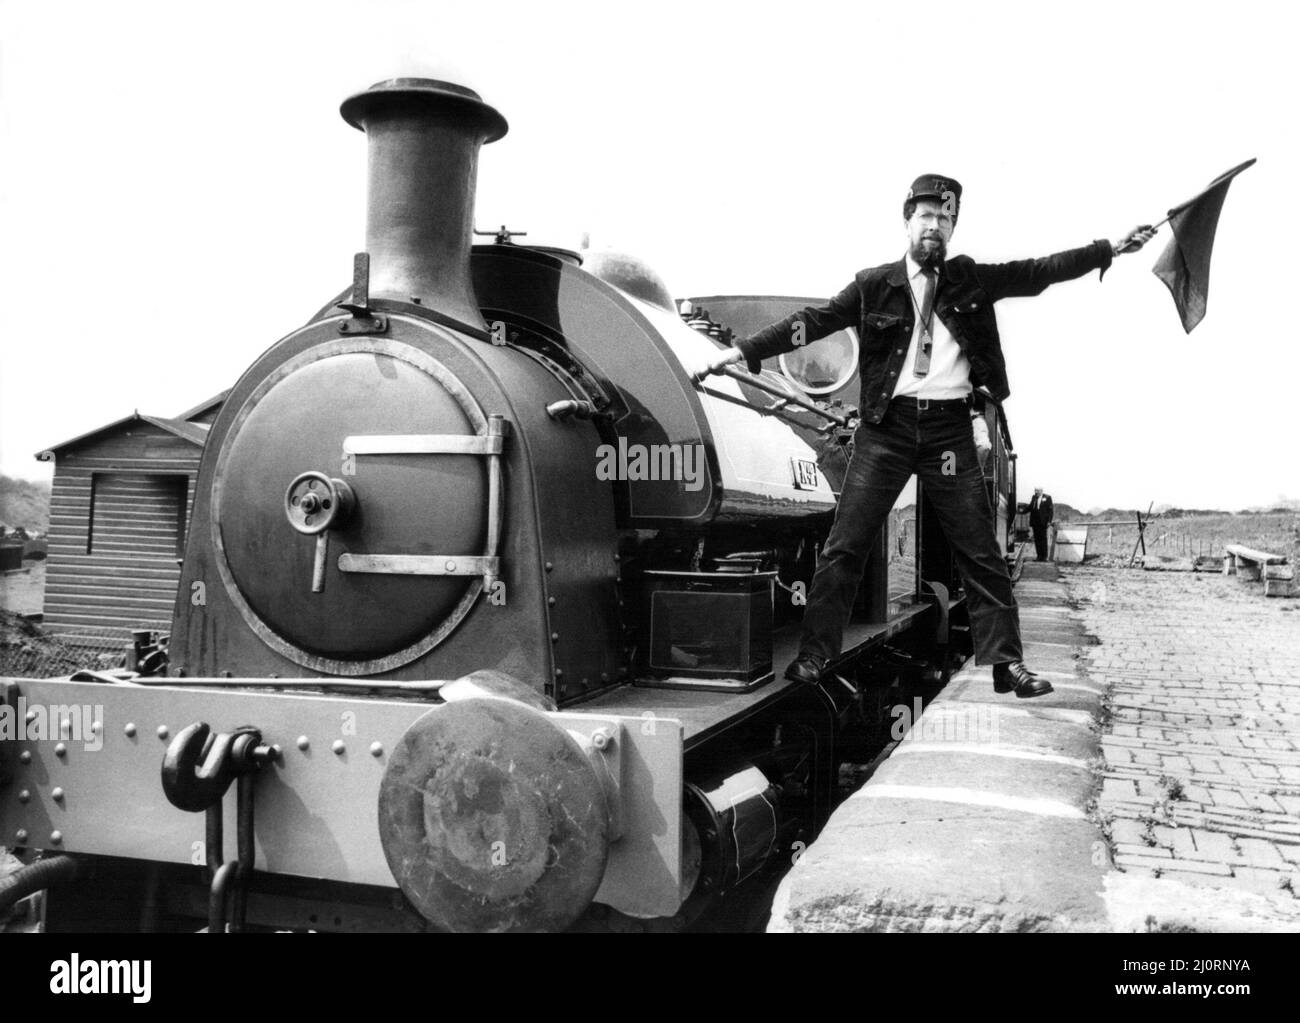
805, 473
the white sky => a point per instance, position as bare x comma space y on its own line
177, 191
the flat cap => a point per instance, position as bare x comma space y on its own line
936, 186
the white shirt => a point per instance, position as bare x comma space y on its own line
949, 375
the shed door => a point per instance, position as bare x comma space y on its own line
140, 515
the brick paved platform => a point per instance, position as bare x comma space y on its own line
1201, 784
1171, 804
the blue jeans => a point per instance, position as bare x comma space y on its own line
937, 445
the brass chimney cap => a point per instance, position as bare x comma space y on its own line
425, 91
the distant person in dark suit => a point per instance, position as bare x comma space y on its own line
1040, 515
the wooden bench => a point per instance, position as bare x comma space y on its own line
1250, 565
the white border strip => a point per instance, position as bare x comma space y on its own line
973, 797
921, 746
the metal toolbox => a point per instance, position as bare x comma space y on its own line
707, 630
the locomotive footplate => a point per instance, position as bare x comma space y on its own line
89, 782
707, 714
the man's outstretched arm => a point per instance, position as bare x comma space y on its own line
786, 335
1024, 277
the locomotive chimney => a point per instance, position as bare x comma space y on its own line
424, 137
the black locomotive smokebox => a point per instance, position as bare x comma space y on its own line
298, 421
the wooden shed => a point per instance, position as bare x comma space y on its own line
119, 510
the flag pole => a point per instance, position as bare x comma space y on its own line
1206, 190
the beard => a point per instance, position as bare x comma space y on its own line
927, 256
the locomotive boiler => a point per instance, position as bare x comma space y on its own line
479, 610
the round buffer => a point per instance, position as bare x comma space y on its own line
493, 818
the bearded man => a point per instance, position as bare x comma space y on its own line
928, 336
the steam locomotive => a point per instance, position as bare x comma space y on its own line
481, 602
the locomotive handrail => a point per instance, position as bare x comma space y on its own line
774, 409
776, 392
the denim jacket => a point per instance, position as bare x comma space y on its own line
878, 305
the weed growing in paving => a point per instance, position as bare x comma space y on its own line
1173, 787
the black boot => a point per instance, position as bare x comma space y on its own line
806, 668
1014, 677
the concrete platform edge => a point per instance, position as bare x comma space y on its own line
983, 819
